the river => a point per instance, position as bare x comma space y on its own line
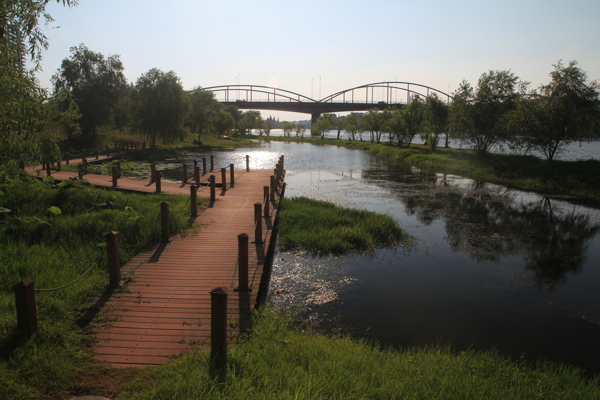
490, 267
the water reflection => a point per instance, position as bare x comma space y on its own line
489, 222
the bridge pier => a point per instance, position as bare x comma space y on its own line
314, 117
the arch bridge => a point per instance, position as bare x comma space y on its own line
361, 98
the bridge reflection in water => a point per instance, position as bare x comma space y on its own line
361, 98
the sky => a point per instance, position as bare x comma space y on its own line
317, 48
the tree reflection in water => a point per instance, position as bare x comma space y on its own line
490, 222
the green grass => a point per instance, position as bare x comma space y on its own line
321, 227
52, 234
280, 361
580, 179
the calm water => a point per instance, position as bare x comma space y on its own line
490, 267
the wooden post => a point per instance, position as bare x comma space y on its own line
266, 201
195, 163
212, 163
115, 175
203, 165
25, 304
85, 166
157, 181
107, 149
282, 191
185, 174
276, 174
118, 164
164, 220
58, 165
224, 178
231, 175
213, 195
218, 332
152, 172
97, 153
242, 263
79, 171
247, 163
114, 263
272, 187
194, 199
197, 174
281, 158
83, 153
68, 157
258, 223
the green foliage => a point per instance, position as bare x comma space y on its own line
250, 120
288, 127
51, 236
283, 361
321, 227
161, 107
94, 83
435, 119
566, 109
323, 123
204, 111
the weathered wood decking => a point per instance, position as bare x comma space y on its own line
164, 307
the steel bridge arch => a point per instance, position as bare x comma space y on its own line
249, 90
390, 87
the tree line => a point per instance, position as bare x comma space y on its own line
500, 111
91, 95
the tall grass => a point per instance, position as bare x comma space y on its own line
52, 234
322, 227
280, 361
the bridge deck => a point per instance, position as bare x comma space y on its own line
164, 308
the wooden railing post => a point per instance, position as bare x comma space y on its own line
258, 223
185, 173
157, 181
164, 220
25, 304
194, 200
115, 176
218, 332
85, 166
224, 178
247, 163
97, 153
152, 172
282, 191
114, 264
83, 153
107, 149
118, 164
243, 263
213, 194
80, 171
68, 157
231, 175
58, 165
272, 187
266, 201
212, 163
203, 166
197, 174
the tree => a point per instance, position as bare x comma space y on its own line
565, 110
250, 120
24, 107
300, 129
160, 107
23, 16
223, 122
412, 120
352, 125
373, 122
479, 117
267, 127
435, 119
203, 111
95, 83
323, 123
288, 127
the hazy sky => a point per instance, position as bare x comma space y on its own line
321, 47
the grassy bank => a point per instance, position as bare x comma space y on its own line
52, 234
578, 179
282, 362
321, 227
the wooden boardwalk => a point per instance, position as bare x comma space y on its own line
164, 307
